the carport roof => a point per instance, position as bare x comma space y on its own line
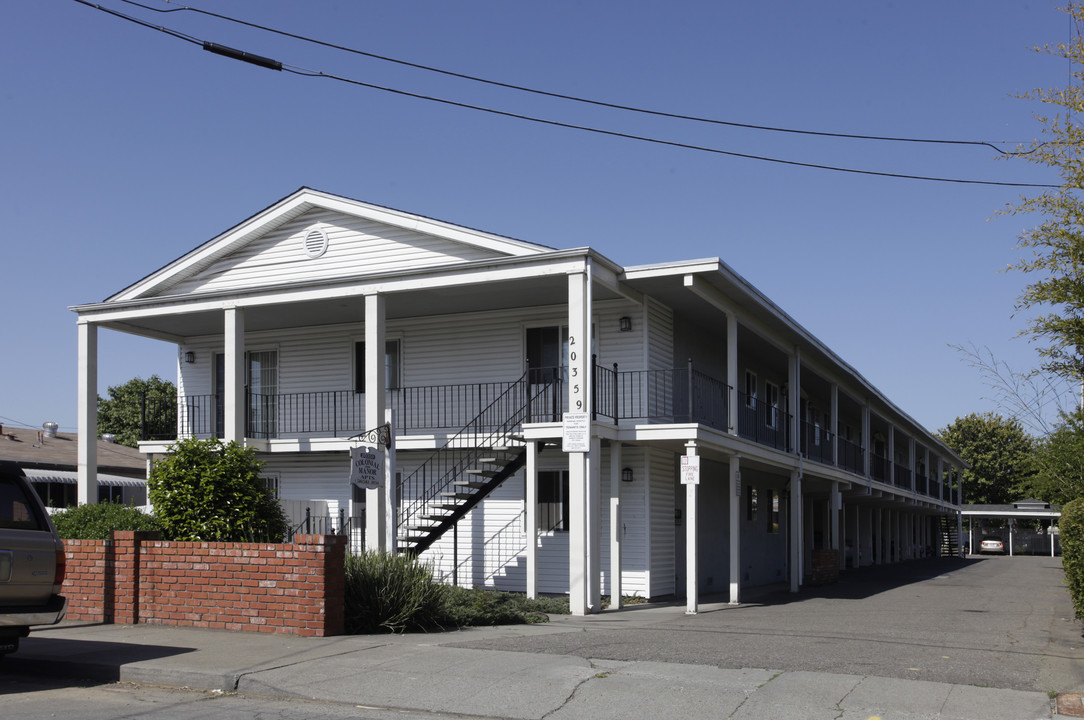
1029, 508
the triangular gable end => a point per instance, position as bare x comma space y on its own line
315, 235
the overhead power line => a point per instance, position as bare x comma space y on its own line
562, 96
276, 65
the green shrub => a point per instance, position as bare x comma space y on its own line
391, 593
205, 490
1072, 552
463, 608
96, 522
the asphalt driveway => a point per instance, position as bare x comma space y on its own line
987, 621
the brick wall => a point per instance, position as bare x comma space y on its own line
292, 588
825, 567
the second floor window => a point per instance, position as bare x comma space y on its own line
771, 402
750, 389
391, 365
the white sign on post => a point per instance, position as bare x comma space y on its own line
690, 469
577, 432
367, 467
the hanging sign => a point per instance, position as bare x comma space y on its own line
577, 432
690, 469
367, 467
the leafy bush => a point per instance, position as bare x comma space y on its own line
391, 593
96, 522
463, 608
1072, 552
207, 490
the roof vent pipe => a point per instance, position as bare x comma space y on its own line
50, 429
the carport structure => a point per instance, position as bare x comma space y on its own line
1024, 509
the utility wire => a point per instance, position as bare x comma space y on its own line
561, 96
275, 65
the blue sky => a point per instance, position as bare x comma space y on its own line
123, 148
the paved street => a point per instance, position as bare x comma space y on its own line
990, 621
981, 639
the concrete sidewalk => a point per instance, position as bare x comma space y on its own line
425, 672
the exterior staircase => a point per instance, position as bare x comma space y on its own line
950, 540
466, 469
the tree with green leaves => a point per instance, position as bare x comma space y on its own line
1057, 243
1000, 453
138, 401
1059, 462
207, 490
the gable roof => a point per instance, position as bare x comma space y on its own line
294, 206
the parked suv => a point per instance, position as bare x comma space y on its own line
31, 561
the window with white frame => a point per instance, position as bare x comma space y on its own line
771, 402
750, 389
391, 365
553, 500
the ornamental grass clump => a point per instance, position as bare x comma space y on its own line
391, 593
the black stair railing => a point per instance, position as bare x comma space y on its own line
433, 489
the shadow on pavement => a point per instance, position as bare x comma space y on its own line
82, 659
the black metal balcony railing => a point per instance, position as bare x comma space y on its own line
763, 423
680, 395
879, 467
902, 476
817, 443
851, 456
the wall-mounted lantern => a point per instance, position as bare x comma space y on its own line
625, 323
626, 475
190, 357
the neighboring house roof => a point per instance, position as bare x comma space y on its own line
32, 450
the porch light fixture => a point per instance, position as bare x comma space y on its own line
190, 357
626, 475
625, 323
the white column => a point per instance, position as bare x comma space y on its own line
583, 568
890, 478
87, 449
867, 436
692, 566
911, 458
531, 519
376, 499
735, 529
732, 371
616, 528
1011, 524
234, 411
834, 505
834, 419
877, 515
797, 506
794, 520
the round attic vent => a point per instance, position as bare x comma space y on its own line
315, 242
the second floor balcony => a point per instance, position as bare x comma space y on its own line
682, 395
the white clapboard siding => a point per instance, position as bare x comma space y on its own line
661, 519
660, 340
312, 476
355, 247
